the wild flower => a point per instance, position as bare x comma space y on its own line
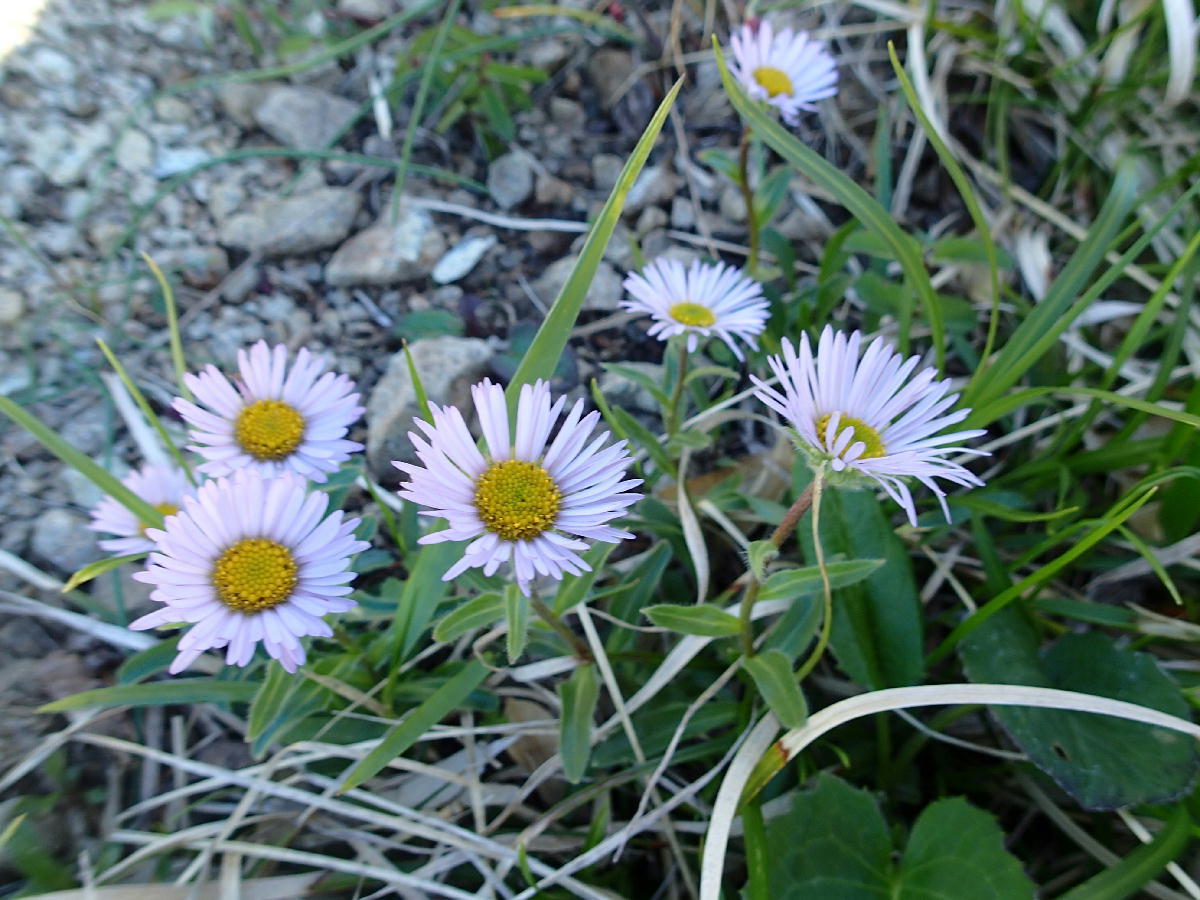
789, 70
163, 487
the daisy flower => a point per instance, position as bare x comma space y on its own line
250, 558
789, 70
163, 487
275, 420
702, 300
870, 416
521, 502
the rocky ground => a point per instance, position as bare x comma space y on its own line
126, 132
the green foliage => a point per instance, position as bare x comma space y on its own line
578, 696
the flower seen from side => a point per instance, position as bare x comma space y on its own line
527, 501
277, 419
870, 416
163, 487
700, 301
789, 70
250, 559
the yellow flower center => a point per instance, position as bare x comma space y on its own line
167, 509
254, 574
694, 314
269, 430
774, 81
517, 500
862, 432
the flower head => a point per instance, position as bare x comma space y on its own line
868, 416
789, 70
276, 420
163, 487
248, 559
701, 300
521, 502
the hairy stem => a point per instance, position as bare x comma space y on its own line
826, 590
673, 416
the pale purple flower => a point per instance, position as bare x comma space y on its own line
522, 502
276, 420
249, 559
702, 300
789, 70
870, 416
163, 487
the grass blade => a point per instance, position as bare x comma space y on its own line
177, 360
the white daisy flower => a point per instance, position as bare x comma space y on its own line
521, 502
163, 487
250, 558
276, 420
789, 70
869, 416
702, 300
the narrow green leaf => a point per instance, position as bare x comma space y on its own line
442, 702
711, 372
478, 612
775, 680
1131, 874
177, 358
422, 593
795, 583
988, 413
418, 386
573, 589
641, 379
861, 205
269, 701
98, 568
639, 436
700, 619
543, 354
689, 439
516, 611
180, 691
81, 463
148, 662
758, 555
578, 695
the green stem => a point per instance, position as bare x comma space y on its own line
757, 863
826, 590
748, 196
677, 395
778, 536
574, 641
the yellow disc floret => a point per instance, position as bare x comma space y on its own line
862, 432
269, 430
774, 81
695, 314
254, 574
517, 500
167, 509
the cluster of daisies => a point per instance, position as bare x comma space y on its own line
251, 554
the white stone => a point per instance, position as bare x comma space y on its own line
510, 179
135, 151
462, 259
387, 252
603, 294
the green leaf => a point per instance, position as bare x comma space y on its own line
641, 379
635, 432
148, 662
1126, 878
578, 695
711, 372
775, 680
688, 439
834, 844
440, 704
792, 584
174, 335
700, 619
720, 161
478, 612
422, 593
877, 624
81, 463
758, 555
1103, 762
98, 568
543, 355
269, 700
516, 611
180, 691
860, 204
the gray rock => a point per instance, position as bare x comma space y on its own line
63, 154
61, 539
302, 117
448, 366
683, 214
510, 179
652, 217
173, 160
50, 67
463, 258
548, 53
732, 204
388, 253
654, 184
568, 115
200, 267
551, 191
603, 294
620, 391
135, 151
609, 69
12, 307
368, 10
278, 227
606, 169
172, 110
